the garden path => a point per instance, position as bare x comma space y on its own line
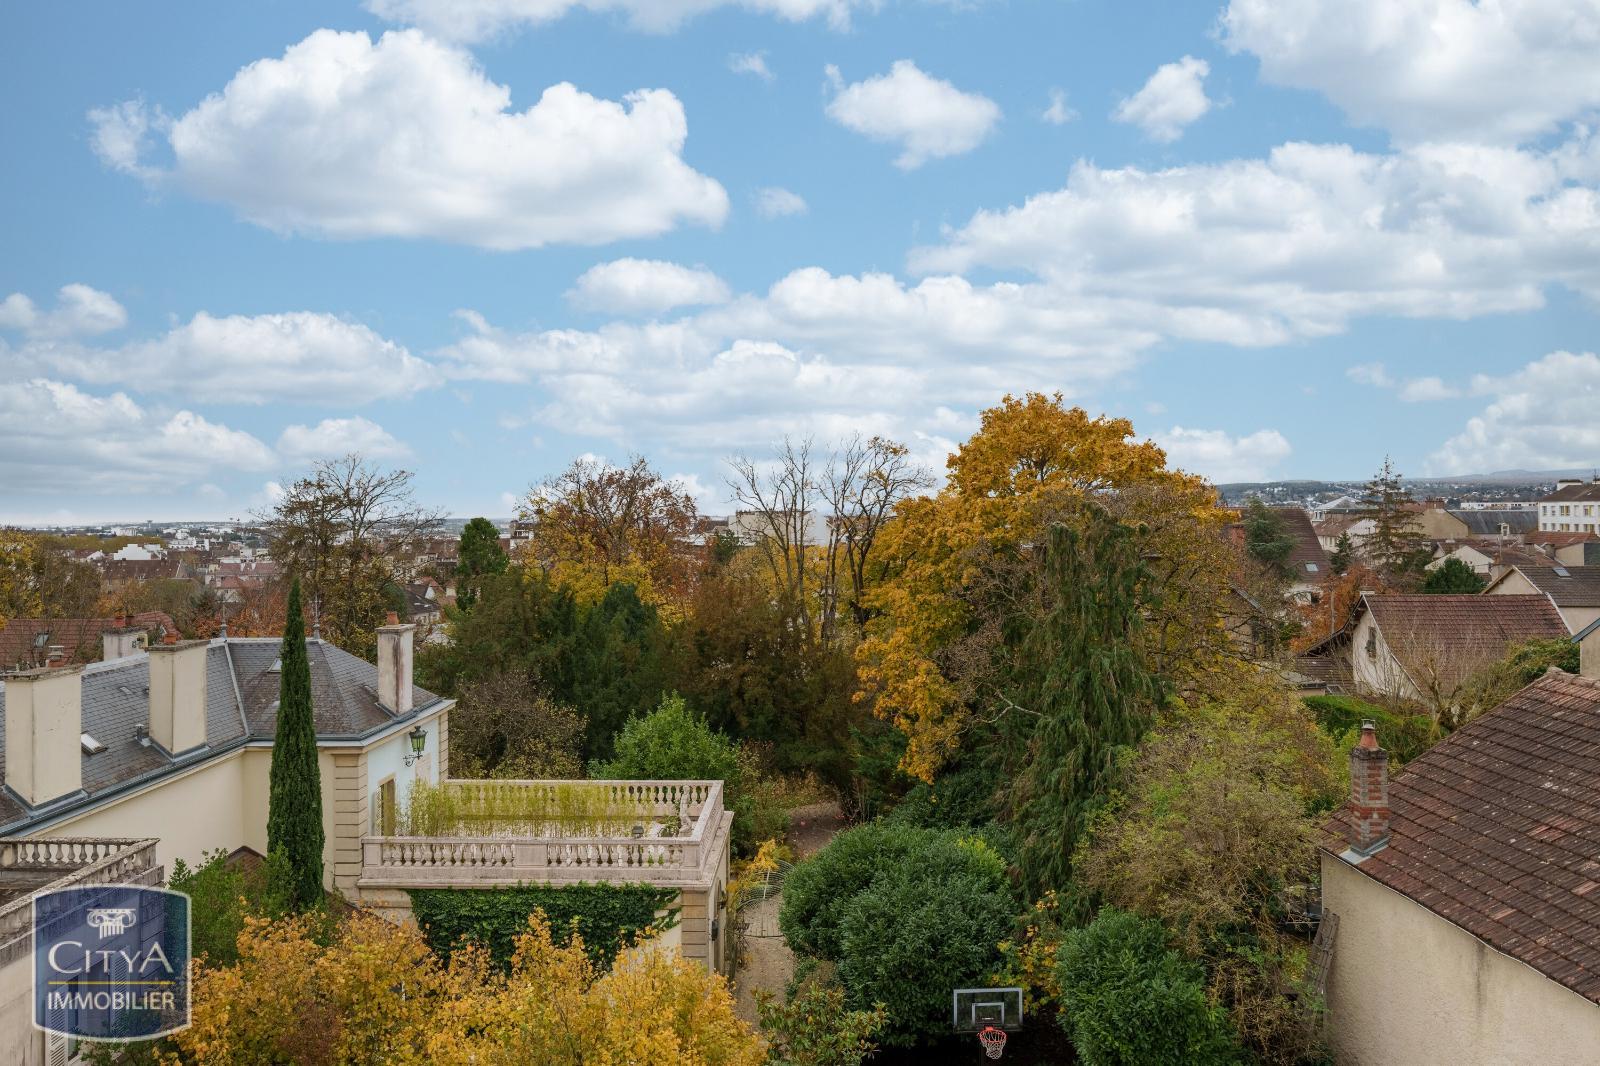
768, 962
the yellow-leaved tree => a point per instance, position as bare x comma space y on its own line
1032, 462
376, 993
19, 595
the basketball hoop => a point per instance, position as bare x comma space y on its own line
993, 1041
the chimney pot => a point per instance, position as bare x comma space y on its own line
393, 619
170, 638
1369, 735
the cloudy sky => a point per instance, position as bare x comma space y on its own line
1285, 237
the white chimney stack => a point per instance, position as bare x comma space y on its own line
178, 695
44, 723
394, 665
121, 641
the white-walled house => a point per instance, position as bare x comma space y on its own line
114, 770
1415, 645
1464, 895
1574, 507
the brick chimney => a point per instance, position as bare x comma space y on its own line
121, 640
1369, 791
44, 720
178, 694
394, 665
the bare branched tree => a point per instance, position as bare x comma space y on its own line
863, 483
816, 526
350, 531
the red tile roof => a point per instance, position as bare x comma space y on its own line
1458, 634
78, 637
1497, 830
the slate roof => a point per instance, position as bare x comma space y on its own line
1496, 829
1486, 523
79, 637
1568, 586
1418, 625
241, 706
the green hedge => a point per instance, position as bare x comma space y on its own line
608, 917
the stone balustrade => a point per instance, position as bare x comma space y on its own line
76, 861
549, 852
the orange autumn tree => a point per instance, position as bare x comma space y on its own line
375, 993
1033, 461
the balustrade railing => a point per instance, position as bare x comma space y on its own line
79, 861
551, 851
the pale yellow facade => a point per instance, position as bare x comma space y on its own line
222, 803
1408, 988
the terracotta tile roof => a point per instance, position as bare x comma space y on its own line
1497, 830
1471, 628
1309, 559
78, 637
1589, 490
1568, 586
1557, 539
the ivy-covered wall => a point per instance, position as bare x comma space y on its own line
609, 917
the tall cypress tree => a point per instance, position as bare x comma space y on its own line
294, 804
1083, 675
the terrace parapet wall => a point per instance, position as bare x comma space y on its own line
666, 833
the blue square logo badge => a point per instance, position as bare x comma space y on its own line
111, 962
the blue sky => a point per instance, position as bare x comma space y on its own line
1283, 238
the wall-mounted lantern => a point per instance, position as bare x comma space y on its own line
419, 741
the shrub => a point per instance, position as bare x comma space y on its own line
815, 891
1405, 736
1529, 660
814, 1028
907, 913
672, 743
1129, 1000
924, 926
221, 895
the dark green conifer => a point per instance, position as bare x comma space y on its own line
294, 804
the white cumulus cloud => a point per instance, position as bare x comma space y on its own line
1174, 97
777, 202
477, 20
79, 311
53, 434
298, 356
1058, 113
929, 118
1500, 71
1260, 251
645, 286
751, 63
1539, 417
406, 137
1221, 457
334, 437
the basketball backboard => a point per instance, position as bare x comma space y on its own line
974, 1009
